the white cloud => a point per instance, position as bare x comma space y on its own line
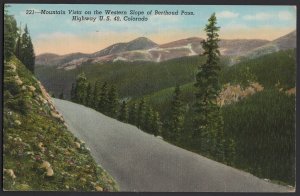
285, 15
281, 15
227, 14
258, 16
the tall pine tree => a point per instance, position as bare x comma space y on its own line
133, 114
80, 89
61, 95
156, 124
95, 99
18, 47
208, 120
141, 113
103, 99
123, 114
10, 34
73, 96
89, 95
112, 102
27, 55
176, 117
230, 151
147, 119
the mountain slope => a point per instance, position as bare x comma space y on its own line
266, 73
263, 124
238, 47
142, 162
50, 59
143, 49
282, 43
38, 150
131, 78
141, 43
287, 41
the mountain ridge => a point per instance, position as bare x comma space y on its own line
144, 49
284, 42
139, 43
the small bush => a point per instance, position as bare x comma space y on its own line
11, 86
7, 95
19, 105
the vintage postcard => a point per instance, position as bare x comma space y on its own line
149, 98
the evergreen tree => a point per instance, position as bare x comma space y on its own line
80, 88
18, 48
176, 117
219, 148
103, 99
245, 76
27, 55
133, 114
61, 95
73, 95
208, 120
141, 113
147, 119
123, 114
89, 95
156, 124
94, 102
230, 151
112, 102
10, 34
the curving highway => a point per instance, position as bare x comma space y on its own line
141, 162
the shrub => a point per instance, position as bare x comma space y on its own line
11, 86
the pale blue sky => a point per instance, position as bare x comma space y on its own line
56, 33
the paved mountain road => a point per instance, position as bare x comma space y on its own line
142, 162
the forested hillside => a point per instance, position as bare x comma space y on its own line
132, 79
261, 124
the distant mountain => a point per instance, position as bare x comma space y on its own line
143, 49
47, 59
238, 47
285, 42
141, 43
54, 59
69, 60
